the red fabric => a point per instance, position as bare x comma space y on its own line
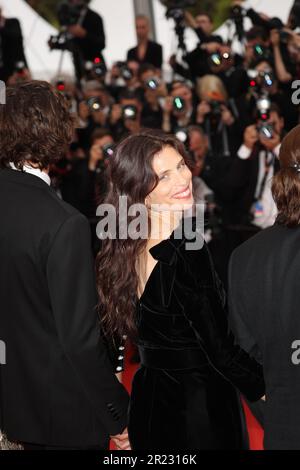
254, 429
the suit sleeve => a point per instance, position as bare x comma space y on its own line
95, 36
71, 282
237, 323
208, 317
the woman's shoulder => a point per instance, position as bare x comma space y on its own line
196, 256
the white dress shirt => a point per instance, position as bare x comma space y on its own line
267, 216
34, 171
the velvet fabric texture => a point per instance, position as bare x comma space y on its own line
184, 395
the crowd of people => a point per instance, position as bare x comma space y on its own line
230, 109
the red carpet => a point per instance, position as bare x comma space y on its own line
254, 429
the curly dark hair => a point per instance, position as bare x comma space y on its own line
131, 175
35, 125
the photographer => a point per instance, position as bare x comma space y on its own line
83, 31
266, 84
258, 163
179, 107
154, 94
125, 116
85, 185
124, 76
257, 39
228, 67
219, 117
12, 50
146, 51
203, 26
93, 111
197, 60
286, 70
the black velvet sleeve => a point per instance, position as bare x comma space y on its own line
207, 315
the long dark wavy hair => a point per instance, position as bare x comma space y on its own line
130, 174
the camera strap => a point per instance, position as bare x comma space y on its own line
269, 158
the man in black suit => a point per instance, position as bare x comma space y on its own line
57, 388
146, 51
11, 46
264, 302
88, 32
88, 36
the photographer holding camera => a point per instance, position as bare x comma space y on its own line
125, 116
259, 154
82, 33
203, 26
93, 111
179, 107
11, 49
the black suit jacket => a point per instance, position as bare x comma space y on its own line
264, 314
93, 43
57, 386
154, 55
11, 47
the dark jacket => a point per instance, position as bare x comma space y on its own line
154, 55
264, 313
11, 47
92, 45
57, 386
184, 394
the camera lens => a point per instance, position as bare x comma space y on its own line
178, 103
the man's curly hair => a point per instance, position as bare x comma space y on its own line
35, 125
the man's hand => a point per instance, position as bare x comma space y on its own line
77, 31
275, 37
121, 441
270, 144
227, 116
203, 109
96, 154
211, 47
250, 137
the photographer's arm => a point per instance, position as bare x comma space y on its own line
283, 75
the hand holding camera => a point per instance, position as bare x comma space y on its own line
203, 110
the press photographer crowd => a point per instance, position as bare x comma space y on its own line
230, 109
230, 102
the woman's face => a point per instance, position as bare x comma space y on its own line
174, 189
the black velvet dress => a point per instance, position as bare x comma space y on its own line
184, 395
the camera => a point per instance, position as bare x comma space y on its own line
263, 106
175, 9
267, 79
95, 69
94, 104
266, 130
215, 106
261, 52
108, 151
152, 83
216, 59
129, 112
178, 104
61, 42
125, 72
182, 134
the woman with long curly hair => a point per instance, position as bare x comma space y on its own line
161, 290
